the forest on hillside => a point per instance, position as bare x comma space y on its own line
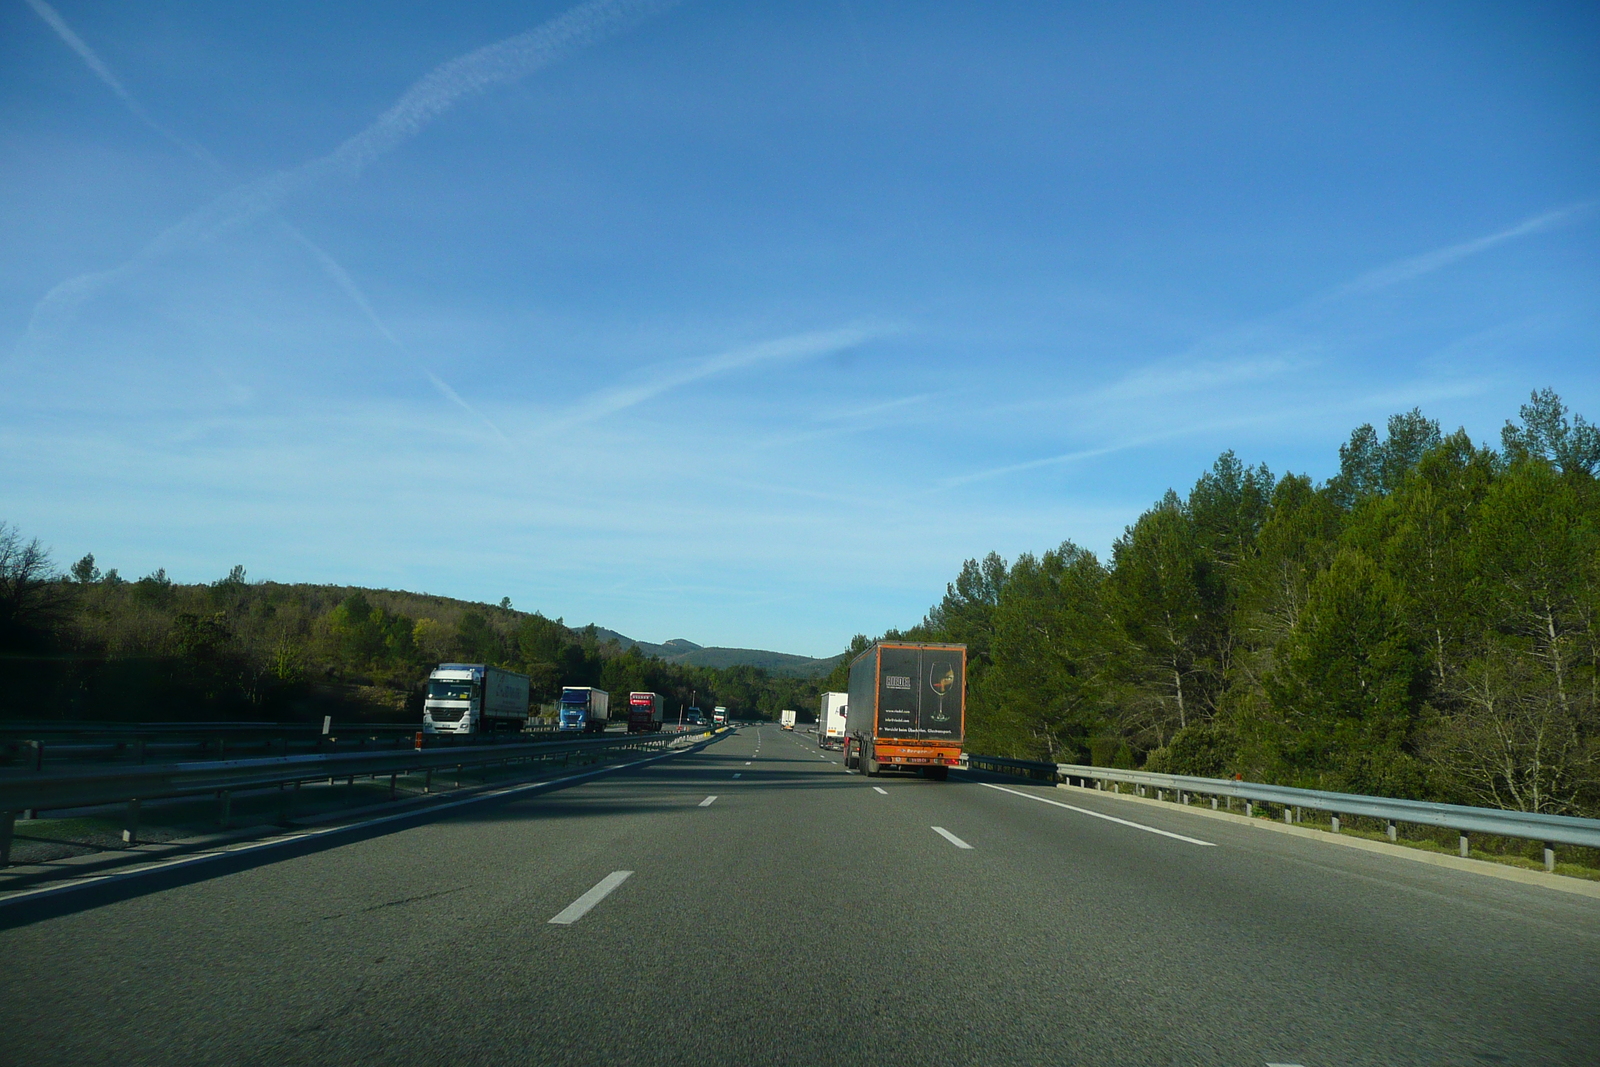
90, 645
1424, 624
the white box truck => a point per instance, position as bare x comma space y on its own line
472, 698
583, 708
831, 719
786, 719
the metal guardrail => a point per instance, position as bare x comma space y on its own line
1531, 826
91, 786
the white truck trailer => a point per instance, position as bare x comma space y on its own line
583, 708
472, 698
786, 719
831, 719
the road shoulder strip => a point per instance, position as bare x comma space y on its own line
1559, 882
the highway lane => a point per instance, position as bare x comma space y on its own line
811, 916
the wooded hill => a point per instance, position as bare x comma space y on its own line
91, 645
1424, 624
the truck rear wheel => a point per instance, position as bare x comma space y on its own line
870, 766
850, 759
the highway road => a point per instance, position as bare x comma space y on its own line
808, 915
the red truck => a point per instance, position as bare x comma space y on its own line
645, 712
907, 708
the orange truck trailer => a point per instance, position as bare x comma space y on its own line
907, 708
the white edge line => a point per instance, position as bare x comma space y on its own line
708, 801
580, 907
291, 838
1100, 815
950, 837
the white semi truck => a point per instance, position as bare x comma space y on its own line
786, 719
831, 719
472, 698
584, 708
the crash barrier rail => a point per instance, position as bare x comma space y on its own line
1552, 830
30, 744
90, 787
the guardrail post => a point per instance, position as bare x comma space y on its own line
130, 823
38, 755
1334, 822
8, 823
1465, 849
138, 750
393, 780
1249, 809
427, 781
1393, 834
1549, 855
224, 807
1288, 814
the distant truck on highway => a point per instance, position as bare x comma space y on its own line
471, 698
719, 717
583, 708
645, 712
786, 719
830, 719
907, 708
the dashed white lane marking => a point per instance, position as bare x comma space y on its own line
707, 802
1283, 1065
747, 763
1107, 818
739, 774
885, 792
580, 907
950, 837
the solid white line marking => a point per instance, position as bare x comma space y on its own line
880, 789
739, 774
707, 802
580, 907
948, 836
1099, 815
747, 763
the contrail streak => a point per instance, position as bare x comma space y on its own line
330, 266
794, 346
1428, 262
54, 20
435, 93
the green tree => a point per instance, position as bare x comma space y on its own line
1052, 638
1156, 597
84, 572
1345, 693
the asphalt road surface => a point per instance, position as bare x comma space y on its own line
811, 916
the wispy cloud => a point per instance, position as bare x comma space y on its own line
664, 378
437, 92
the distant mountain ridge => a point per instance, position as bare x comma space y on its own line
680, 650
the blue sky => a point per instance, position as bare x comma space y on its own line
747, 323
